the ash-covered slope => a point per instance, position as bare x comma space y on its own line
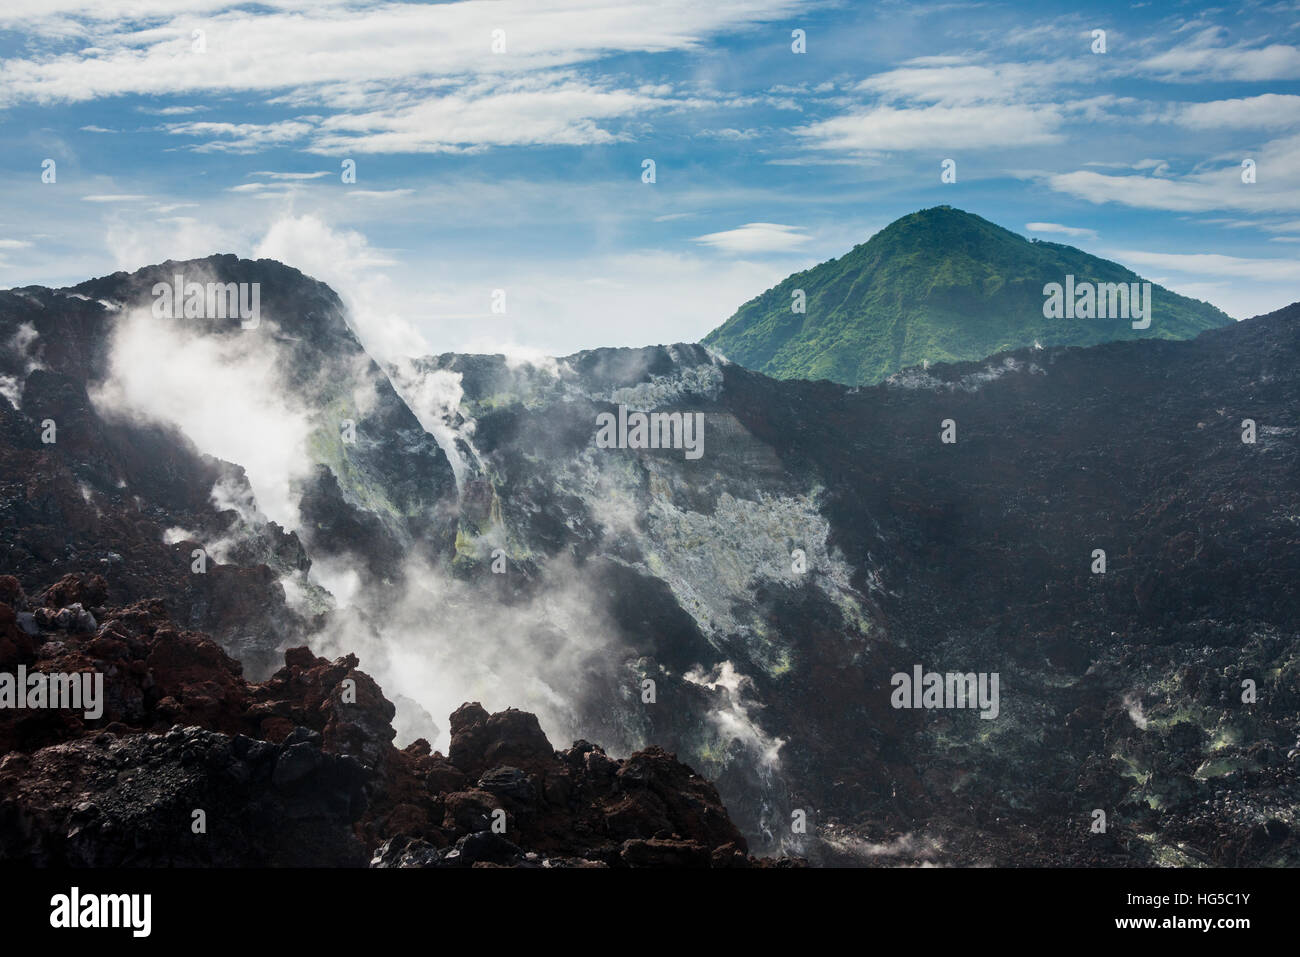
746, 607
1120, 690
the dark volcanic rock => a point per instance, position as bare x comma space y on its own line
190, 765
1122, 691
137, 800
480, 741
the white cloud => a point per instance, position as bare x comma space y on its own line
1266, 111
756, 238
1214, 264
241, 137
546, 109
380, 193
1204, 58
886, 129
380, 66
1072, 231
290, 176
173, 110
1148, 192
953, 81
279, 189
1277, 168
1239, 285
133, 243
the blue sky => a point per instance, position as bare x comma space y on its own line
522, 169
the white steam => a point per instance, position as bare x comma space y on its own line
344, 260
732, 719
440, 644
12, 390
25, 342
222, 392
435, 398
1133, 704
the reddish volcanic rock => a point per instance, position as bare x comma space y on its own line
87, 590
480, 741
301, 768
154, 676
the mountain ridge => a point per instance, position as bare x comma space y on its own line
936, 285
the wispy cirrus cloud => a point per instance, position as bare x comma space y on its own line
240, 137
368, 43
366, 67
540, 110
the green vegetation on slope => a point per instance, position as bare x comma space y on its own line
940, 285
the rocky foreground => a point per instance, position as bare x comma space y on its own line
189, 764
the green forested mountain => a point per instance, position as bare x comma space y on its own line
938, 285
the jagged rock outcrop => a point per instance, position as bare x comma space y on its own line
188, 764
